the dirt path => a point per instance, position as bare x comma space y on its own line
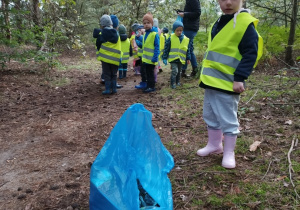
51, 135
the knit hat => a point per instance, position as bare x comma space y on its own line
115, 21
134, 27
165, 30
155, 22
148, 17
177, 24
105, 20
140, 26
122, 29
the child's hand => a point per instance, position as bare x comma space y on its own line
188, 62
238, 87
181, 14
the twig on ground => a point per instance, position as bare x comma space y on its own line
294, 104
191, 198
175, 126
267, 170
50, 115
3, 183
283, 61
291, 170
252, 96
21, 97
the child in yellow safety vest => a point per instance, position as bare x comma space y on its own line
126, 52
234, 48
137, 62
163, 37
109, 53
177, 51
150, 46
158, 31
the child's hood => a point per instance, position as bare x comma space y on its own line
123, 37
110, 35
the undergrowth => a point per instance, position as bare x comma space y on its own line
263, 179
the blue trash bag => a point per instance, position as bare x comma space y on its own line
179, 18
130, 172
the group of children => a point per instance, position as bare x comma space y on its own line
148, 44
234, 48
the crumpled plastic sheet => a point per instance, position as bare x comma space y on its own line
133, 157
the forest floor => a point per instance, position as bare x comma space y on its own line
52, 127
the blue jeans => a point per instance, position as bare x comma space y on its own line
191, 34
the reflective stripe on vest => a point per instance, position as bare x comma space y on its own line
140, 52
125, 48
178, 49
221, 59
148, 48
110, 52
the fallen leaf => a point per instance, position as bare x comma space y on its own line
280, 178
246, 119
183, 197
289, 122
247, 127
245, 158
253, 147
253, 205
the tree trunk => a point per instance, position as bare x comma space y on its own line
289, 48
37, 25
35, 12
5, 10
17, 7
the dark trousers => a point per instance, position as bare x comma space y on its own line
138, 62
109, 71
123, 66
150, 75
143, 72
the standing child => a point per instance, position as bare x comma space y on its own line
177, 52
234, 47
126, 51
158, 31
109, 53
164, 36
150, 45
136, 63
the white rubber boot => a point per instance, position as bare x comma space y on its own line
214, 144
228, 154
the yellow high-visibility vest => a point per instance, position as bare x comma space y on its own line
222, 55
110, 52
178, 50
148, 48
134, 53
125, 48
162, 40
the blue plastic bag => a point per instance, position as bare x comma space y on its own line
130, 172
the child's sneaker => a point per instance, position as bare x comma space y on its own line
149, 90
173, 86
